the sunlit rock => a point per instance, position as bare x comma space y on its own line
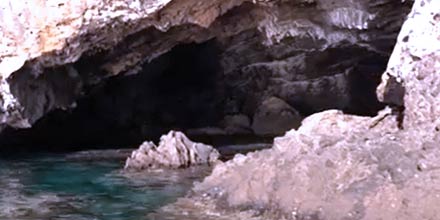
175, 150
338, 166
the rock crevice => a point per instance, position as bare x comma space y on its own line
175, 150
100, 40
338, 166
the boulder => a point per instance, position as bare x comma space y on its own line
175, 150
338, 166
274, 116
335, 166
237, 124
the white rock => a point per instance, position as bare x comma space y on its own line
175, 150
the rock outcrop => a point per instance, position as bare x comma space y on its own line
274, 117
175, 150
315, 55
338, 166
311, 54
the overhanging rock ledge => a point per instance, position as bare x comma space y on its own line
51, 52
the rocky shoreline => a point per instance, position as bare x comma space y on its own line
275, 70
175, 150
338, 166
98, 73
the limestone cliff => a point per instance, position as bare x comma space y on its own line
53, 52
303, 56
338, 166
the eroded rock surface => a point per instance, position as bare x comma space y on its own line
300, 51
338, 166
175, 150
414, 66
274, 117
334, 166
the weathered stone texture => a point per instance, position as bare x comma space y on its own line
334, 166
175, 150
415, 64
267, 39
338, 166
274, 117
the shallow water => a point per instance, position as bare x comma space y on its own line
87, 185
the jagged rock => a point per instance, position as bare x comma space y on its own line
320, 160
334, 166
274, 116
414, 65
338, 166
317, 94
175, 150
118, 38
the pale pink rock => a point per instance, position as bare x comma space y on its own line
175, 150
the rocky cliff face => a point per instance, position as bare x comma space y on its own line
289, 58
175, 150
338, 166
312, 54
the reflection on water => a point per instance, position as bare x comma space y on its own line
86, 186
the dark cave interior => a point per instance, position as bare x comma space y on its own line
182, 89
176, 91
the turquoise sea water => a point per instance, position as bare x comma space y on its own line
86, 185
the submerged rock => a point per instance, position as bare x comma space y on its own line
175, 150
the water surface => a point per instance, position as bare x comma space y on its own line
87, 185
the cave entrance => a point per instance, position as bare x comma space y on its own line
179, 90
189, 89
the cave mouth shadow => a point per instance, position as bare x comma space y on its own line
186, 89
179, 90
